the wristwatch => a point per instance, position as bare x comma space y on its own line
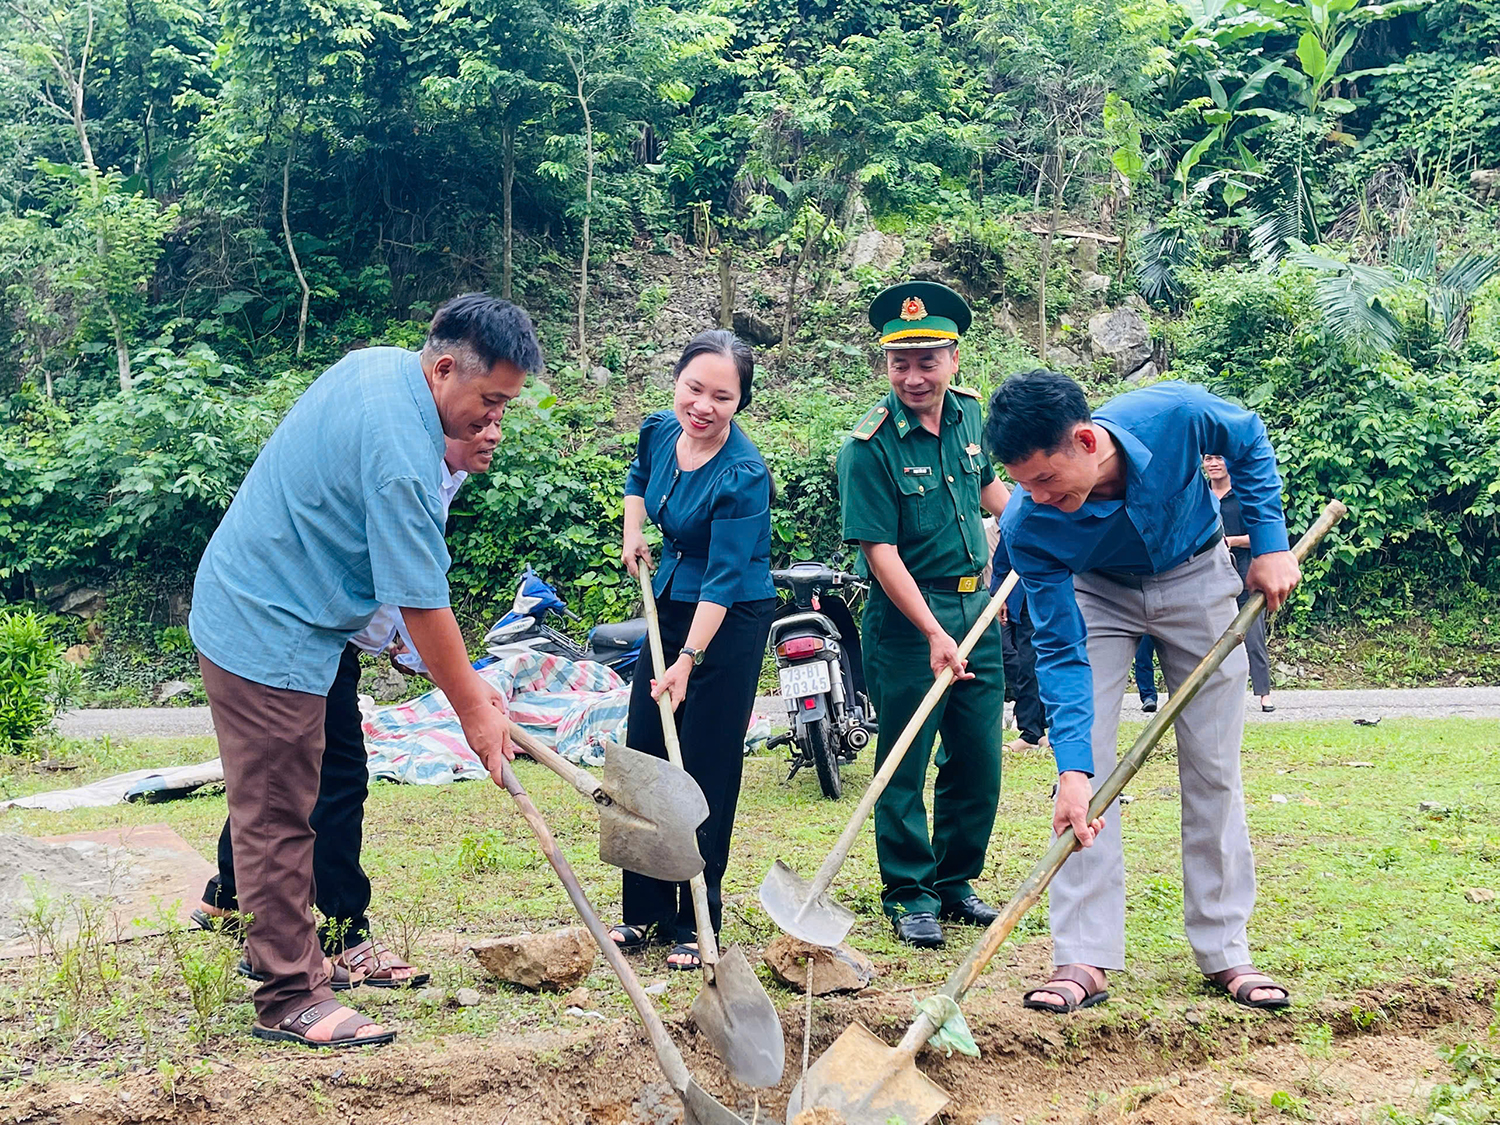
695, 653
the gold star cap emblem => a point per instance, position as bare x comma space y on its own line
913, 309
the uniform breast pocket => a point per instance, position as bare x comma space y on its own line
920, 503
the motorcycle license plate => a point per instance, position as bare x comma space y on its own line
805, 679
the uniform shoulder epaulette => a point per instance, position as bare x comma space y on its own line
970, 391
870, 423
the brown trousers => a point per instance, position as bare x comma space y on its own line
271, 746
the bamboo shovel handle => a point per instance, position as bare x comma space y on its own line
1030, 891
708, 947
666, 1051
581, 780
830, 867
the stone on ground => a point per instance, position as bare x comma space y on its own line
840, 969
1121, 336
556, 960
1479, 895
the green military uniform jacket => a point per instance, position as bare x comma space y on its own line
919, 491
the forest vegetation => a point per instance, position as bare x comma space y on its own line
205, 202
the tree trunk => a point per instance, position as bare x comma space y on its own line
726, 283
286, 230
507, 191
588, 209
791, 288
1059, 184
122, 350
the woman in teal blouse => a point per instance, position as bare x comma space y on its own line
699, 479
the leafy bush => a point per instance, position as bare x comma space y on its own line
32, 677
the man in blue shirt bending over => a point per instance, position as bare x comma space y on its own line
340, 514
1116, 535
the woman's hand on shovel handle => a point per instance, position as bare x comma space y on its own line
1074, 792
1275, 575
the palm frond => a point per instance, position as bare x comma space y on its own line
1163, 255
1453, 292
1348, 296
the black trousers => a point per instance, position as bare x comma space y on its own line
711, 727
1255, 649
341, 888
1020, 677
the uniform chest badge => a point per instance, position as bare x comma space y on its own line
913, 309
971, 449
917, 470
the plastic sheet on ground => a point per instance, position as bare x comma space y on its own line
574, 707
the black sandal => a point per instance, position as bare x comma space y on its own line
683, 949
1064, 975
630, 938
1246, 979
340, 979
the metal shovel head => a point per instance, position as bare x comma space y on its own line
652, 826
741, 1022
865, 1082
702, 1108
787, 899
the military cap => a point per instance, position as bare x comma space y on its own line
919, 314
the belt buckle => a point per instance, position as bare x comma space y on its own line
968, 584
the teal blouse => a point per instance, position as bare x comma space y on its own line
715, 520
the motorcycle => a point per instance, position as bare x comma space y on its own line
818, 660
525, 628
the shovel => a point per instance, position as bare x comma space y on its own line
867, 1083
700, 1107
649, 810
805, 909
732, 1008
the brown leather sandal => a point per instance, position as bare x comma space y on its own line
1077, 976
1239, 982
378, 967
295, 1028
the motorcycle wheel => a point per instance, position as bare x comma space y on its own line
825, 756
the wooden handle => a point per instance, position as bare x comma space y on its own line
580, 779
708, 946
830, 867
666, 1051
1030, 891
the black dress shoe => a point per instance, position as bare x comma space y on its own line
1148, 705
920, 929
972, 911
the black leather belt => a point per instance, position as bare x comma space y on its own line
1136, 581
966, 584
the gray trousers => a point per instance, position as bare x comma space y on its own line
1186, 609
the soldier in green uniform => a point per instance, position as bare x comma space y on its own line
915, 485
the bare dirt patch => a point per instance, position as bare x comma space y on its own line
1200, 1062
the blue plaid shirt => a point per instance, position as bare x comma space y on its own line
339, 515
1168, 511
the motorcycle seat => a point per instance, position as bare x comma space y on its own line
618, 635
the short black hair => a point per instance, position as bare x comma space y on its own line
1033, 411
721, 341
491, 328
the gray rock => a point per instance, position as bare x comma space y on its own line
557, 960
755, 328
1147, 370
872, 248
1094, 283
657, 989
468, 998
388, 683
659, 370
1004, 319
1137, 302
432, 997
1478, 895
1058, 356
1430, 806
83, 601
1485, 183
599, 376
840, 969
927, 270
1121, 336
171, 690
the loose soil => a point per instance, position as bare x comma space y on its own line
32, 870
1203, 1062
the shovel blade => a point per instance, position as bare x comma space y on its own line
788, 900
702, 1108
652, 826
741, 1022
867, 1083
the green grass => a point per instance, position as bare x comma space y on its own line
1359, 890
